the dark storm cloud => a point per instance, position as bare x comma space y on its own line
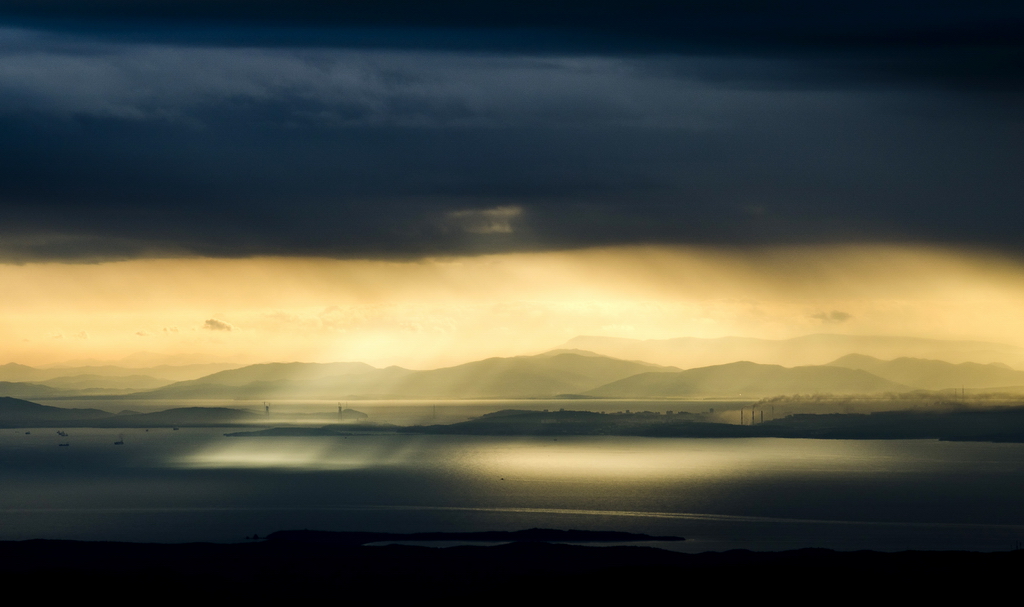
153, 129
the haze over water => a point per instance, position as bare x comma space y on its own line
198, 485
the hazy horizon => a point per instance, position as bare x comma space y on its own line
428, 185
440, 312
822, 347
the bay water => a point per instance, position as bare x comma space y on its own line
195, 484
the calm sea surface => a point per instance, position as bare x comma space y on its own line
763, 494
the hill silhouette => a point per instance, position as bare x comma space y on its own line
23, 373
182, 416
542, 375
746, 380
17, 389
564, 372
15, 412
934, 374
818, 349
269, 372
22, 381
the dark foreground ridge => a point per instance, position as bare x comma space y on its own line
1002, 424
951, 421
297, 569
359, 538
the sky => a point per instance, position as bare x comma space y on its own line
428, 183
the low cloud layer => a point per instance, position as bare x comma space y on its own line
437, 312
320, 131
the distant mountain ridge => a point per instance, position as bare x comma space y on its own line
935, 374
15, 372
16, 389
542, 375
745, 379
23, 381
14, 411
565, 371
817, 349
268, 372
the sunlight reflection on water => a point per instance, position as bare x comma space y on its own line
575, 457
314, 453
196, 484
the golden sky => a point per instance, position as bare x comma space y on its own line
436, 312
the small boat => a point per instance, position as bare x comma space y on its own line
120, 439
64, 444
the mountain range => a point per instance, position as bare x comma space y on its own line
936, 374
562, 372
16, 413
548, 374
818, 349
15, 372
748, 380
